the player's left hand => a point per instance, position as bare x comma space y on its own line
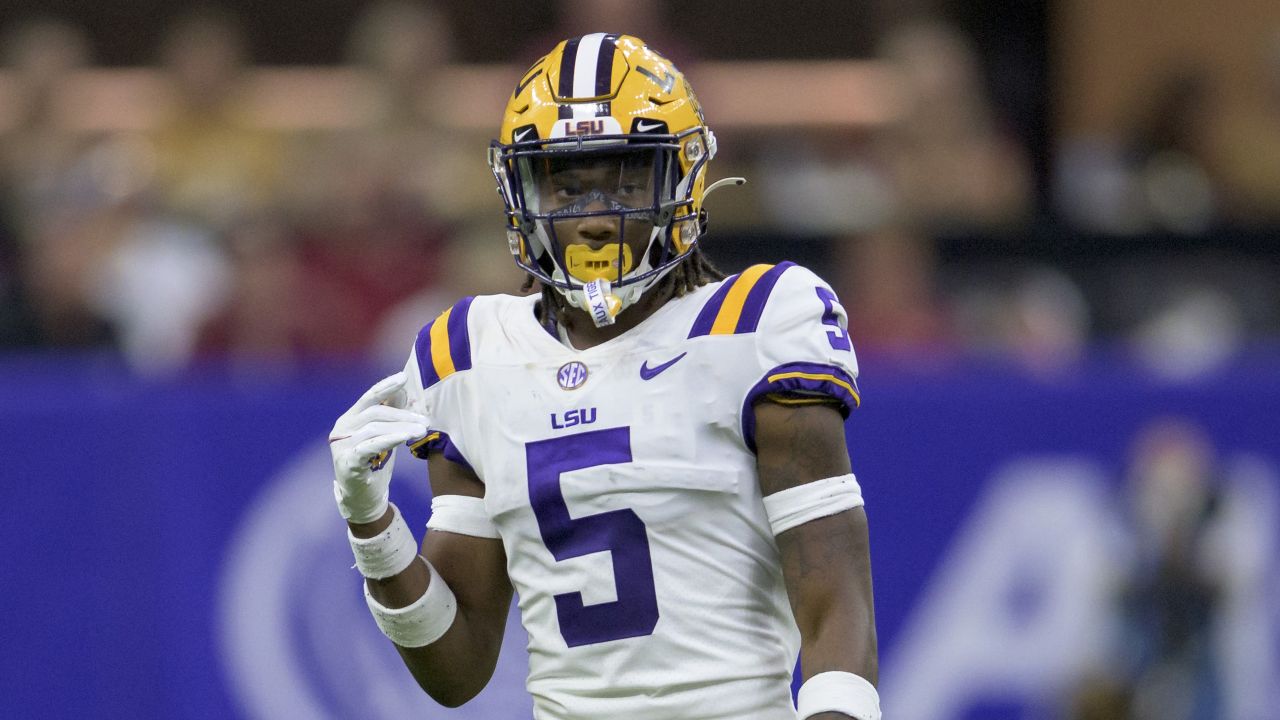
363, 443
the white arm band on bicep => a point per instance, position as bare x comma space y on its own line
461, 514
421, 622
841, 692
798, 505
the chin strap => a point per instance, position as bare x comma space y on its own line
602, 305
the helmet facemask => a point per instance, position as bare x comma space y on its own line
603, 219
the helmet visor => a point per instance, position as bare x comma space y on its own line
623, 180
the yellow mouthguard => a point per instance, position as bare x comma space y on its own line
586, 264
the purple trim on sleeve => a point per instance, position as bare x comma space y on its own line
459, 335
422, 348
441, 443
707, 318
753, 308
799, 386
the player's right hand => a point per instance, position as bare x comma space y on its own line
363, 443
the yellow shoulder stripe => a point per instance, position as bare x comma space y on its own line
441, 359
727, 319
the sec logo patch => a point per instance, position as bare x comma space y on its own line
571, 375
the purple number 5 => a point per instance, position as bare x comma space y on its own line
619, 532
839, 338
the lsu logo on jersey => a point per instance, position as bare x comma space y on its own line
577, 416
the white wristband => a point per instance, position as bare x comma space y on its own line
388, 553
423, 621
798, 505
841, 692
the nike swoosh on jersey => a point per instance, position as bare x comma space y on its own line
649, 373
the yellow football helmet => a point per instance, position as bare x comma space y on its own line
610, 103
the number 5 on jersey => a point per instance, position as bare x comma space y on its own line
839, 338
621, 533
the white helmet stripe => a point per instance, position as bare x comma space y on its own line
584, 65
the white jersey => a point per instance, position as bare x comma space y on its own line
622, 480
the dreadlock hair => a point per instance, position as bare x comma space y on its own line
692, 273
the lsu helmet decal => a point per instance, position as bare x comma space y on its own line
602, 126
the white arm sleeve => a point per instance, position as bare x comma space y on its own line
841, 692
461, 514
798, 505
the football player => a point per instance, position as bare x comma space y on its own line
649, 454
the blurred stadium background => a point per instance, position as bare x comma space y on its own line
1056, 228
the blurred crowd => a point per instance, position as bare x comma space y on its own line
1189, 587
208, 233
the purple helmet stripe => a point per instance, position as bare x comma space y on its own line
707, 318
459, 336
568, 59
604, 65
753, 308
800, 379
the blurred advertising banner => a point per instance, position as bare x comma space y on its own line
1043, 547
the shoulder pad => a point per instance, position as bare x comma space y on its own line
444, 345
737, 305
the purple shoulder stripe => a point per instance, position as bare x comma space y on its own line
749, 320
707, 317
459, 335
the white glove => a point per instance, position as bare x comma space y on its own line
363, 444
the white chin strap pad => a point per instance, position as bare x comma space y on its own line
600, 304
